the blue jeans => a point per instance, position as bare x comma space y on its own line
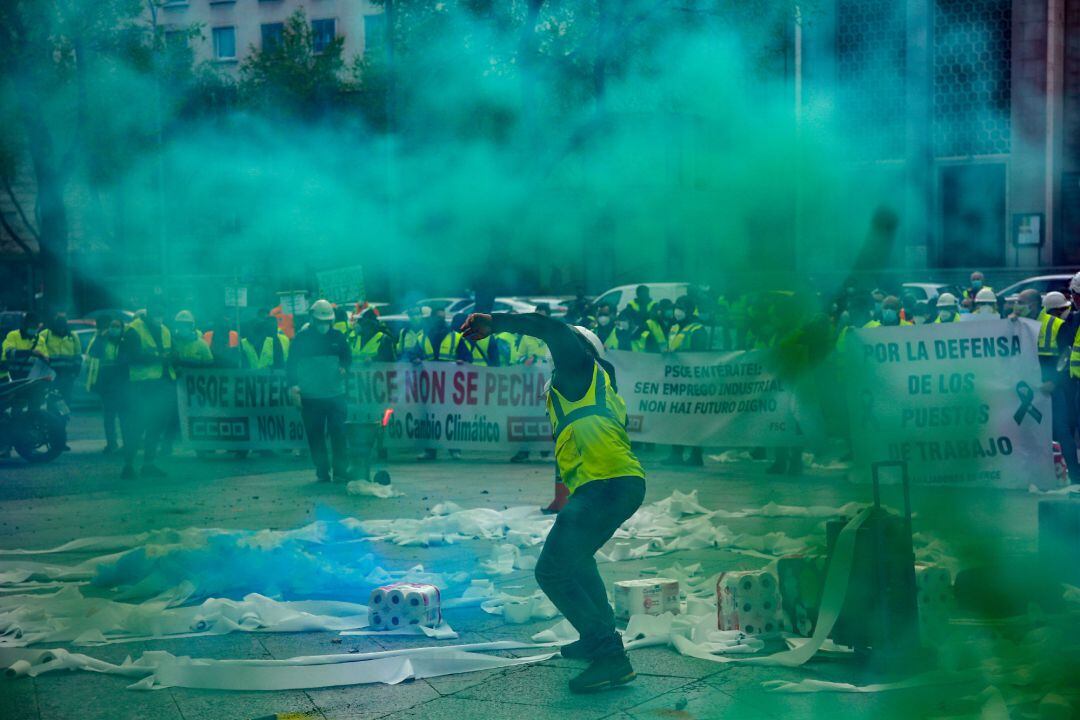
566, 570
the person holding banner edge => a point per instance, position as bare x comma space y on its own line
605, 481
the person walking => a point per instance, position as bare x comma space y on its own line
318, 362
605, 481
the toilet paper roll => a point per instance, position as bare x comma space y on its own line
18, 669
395, 598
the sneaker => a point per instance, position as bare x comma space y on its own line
604, 672
128, 473
152, 471
578, 650
426, 456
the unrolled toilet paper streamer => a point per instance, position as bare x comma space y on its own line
161, 669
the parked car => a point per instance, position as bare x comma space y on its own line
502, 305
557, 303
618, 297
928, 292
1042, 283
399, 318
125, 315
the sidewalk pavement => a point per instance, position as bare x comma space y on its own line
81, 495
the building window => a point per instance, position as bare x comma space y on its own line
374, 32
322, 34
225, 43
272, 34
176, 39
972, 77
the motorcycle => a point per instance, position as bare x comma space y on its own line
33, 417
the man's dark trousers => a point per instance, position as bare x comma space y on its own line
566, 570
322, 417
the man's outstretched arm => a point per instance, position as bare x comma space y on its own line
573, 362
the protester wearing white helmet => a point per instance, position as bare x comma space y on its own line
986, 304
605, 481
948, 308
318, 361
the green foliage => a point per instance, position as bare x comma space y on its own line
291, 77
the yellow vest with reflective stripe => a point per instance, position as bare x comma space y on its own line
656, 332
366, 352
153, 369
590, 434
680, 334
195, 351
1049, 326
1074, 358
409, 339
447, 346
17, 353
480, 350
64, 350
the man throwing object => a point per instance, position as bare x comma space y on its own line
605, 481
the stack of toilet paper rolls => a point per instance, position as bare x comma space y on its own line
404, 604
647, 596
749, 601
935, 597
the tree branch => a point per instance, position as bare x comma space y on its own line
18, 240
19, 209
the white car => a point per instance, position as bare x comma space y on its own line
1042, 283
619, 297
928, 292
500, 305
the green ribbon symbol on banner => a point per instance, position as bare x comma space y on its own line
1027, 396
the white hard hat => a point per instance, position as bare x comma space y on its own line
986, 295
322, 310
425, 311
1074, 284
185, 316
591, 337
1054, 301
947, 300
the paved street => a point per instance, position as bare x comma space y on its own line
81, 495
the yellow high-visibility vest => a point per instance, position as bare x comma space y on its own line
369, 351
1049, 326
151, 369
590, 434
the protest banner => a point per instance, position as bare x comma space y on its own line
691, 399
711, 399
436, 405
960, 402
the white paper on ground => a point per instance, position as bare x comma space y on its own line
536, 606
441, 632
815, 686
370, 489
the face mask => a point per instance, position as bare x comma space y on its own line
976, 284
622, 326
947, 315
604, 320
985, 310
890, 317
680, 315
322, 327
